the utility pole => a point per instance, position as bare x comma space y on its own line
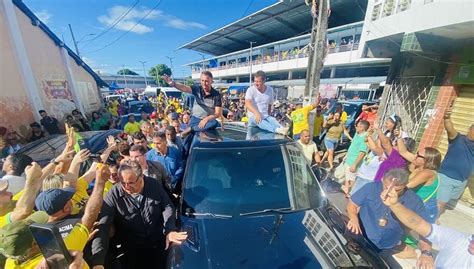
171, 64
74, 40
250, 62
317, 49
202, 55
144, 73
124, 78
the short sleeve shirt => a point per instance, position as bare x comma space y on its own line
308, 150
204, 105
453, 247
372, 209
260, 100
80, 197
50, 124
459, 160
357, 146
131, 128
76, 240
300, 119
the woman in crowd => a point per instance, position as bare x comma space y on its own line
98, 122
335, 128
424, 175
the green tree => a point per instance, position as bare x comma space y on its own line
126, 71
189, 81
158, 71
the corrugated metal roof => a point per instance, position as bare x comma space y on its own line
284, 19
37, 22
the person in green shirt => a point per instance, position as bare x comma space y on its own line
355, 154
98, 122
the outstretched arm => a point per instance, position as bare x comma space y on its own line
179, 86
448, 124
26, 203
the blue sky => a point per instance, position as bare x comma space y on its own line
172, 23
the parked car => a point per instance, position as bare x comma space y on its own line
250, 200
44, 150
353, 109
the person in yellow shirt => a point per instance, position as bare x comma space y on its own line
300, 117
340, 110
132, 126
318, 125
17, 242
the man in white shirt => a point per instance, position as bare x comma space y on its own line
13, 167
258, 101
456, 249
308, 147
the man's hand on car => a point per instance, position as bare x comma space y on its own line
354, 226
258, 117
175, 237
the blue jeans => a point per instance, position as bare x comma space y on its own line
210, 125
268, 124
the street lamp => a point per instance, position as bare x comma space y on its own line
171, 64
144, 73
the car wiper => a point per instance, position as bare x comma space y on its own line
284, 210
207, 214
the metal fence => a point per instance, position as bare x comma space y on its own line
407, 97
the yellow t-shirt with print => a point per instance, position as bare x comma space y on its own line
300, 119
344, 117
80, 197
318, 125
76, 240
5, 219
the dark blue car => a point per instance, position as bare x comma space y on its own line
250, 200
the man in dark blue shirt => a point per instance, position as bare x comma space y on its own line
378, 224
458, 164
169, 157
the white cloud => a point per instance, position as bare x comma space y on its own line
184, 25
128, 21
43, 15
131, 20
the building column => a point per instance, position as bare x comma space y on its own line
21, 57
70, 79
237, 79
290, 75
333, 72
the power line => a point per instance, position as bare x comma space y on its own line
411, 52
114, 23
247, 9
129, 30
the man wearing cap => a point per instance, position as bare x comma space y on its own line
132, 126
18, 245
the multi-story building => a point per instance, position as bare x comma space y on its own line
275, 40
129, 81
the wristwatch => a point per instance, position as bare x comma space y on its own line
53, 161
426, 253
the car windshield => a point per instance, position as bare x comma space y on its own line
239, 181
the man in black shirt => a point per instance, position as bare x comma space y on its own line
144, 220
50, 124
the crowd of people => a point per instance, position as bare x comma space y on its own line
122, 203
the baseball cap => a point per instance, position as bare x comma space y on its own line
53, 200
16, 237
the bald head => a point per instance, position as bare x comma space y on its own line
305, 136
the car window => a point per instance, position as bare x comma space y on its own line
173, 94
241, 180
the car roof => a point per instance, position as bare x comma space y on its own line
235, 135
357, 102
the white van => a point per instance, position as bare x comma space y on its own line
168, 92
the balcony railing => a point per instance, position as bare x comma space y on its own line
277, 57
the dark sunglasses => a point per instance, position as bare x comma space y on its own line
419, 156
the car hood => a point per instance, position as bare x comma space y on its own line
272, 240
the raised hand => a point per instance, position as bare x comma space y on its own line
81, 156
33, 171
